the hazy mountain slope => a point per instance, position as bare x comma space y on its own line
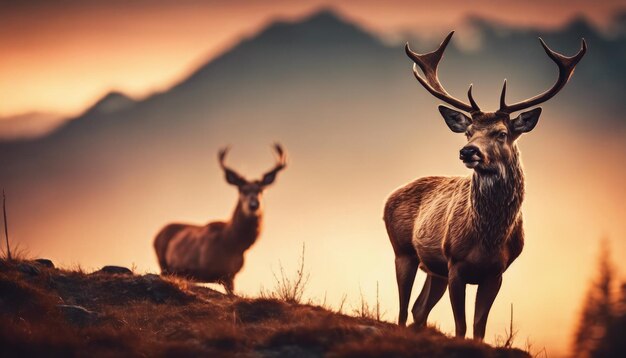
324, 58
29, 125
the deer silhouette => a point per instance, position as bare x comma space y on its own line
466, 230
215, 252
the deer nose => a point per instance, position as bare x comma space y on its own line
253, 205
468, 152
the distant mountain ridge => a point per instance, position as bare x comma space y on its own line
112, 102
291, 70
29, 125
327, 30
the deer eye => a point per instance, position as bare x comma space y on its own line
502, 136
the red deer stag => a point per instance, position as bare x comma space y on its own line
214, 252
466, 230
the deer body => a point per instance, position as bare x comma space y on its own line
440, 223
465, 230
209, 253
215, 252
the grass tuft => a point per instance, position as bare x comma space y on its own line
289, 289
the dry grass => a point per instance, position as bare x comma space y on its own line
6, 226
130, 315
365, 310
508, 339
286, 288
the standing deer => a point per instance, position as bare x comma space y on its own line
466, 230
214, 252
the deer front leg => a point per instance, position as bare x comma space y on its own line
486, 294
456, 286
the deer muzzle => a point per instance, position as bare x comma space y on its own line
471, 156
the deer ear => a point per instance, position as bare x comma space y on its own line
268, 178
456, 121
526, 121
234, 178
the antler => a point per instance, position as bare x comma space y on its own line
428, 63
281, 163
566, 69
232, 177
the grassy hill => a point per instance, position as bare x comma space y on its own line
45, 311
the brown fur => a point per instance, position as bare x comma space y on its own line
215, 252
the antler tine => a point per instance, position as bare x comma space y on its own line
281, 163
222, 155
231, 176
471, 98
282, 157
566, 67
428, 63
503, 96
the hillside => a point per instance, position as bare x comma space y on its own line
46, 311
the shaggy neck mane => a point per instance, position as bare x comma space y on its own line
243, 230
496, 199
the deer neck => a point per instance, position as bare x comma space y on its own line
243, 230
496, 200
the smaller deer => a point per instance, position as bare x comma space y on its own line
214, 252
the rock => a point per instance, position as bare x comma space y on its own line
291, 351
29, 268
150, 277
114, 270
44, 262
78, 315
161, 291
368, 329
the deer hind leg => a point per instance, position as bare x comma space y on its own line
457, 299
406, 269
486, 294
229, 285
433, 290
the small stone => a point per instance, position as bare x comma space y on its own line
150, 277
78, 315
44, 262
368, 329
115, 270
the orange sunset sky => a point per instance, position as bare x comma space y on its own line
59, 57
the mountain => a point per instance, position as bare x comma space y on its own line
291, 67
112, 102
29, 125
